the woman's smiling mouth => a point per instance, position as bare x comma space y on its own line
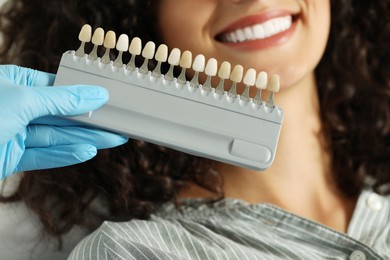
259, 31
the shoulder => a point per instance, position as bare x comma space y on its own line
21, 231
136, 239
21, 236
170, 234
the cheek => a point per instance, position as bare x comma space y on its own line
182, 23
168, 17
318, 27
310, 44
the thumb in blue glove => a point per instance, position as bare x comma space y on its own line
25, 95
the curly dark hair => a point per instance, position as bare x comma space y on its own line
129, 181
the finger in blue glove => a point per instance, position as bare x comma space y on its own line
26, 95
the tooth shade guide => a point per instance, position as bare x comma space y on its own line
109, 43
173, 60
182, 77
257, 99
131, 65
183, 112
135, 103
161, 56
98, 37
185, 63
233, 90
199, 63
220, 89
249, 80
85, 36
207, 84
135, 49
273, 86
148, 54
186, 59
223, 74
210, 70
144, 68
195, 80
200, 70
274, 83
121, 46
197, 66
97, 40
235, 77
237, 73
157, 70
261, 83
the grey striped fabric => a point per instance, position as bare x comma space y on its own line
232, 229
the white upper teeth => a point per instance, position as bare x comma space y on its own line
259, 31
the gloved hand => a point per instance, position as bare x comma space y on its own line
31, 137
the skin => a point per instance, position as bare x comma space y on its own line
300, 178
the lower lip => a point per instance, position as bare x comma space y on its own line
268, 42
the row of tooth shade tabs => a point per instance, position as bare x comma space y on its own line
176, 58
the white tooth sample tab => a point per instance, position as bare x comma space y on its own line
109, 43
110, 40
223, 73
262, 80
274, 83
174, 57
85, 33
210, 70
197, 66
98, 36
237, 73
84, 36
224, 70
97, 40
273, 87
199, 63
161, 56
250, 77
162, 53
211, 67
236, 77
173, 60
261, 83
186, 60
249, 80
123, 43
148, 51
185, 63
135, 47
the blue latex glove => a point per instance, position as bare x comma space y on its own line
31, 137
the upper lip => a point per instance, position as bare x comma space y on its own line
254, 19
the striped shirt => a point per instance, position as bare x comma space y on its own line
234, 230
